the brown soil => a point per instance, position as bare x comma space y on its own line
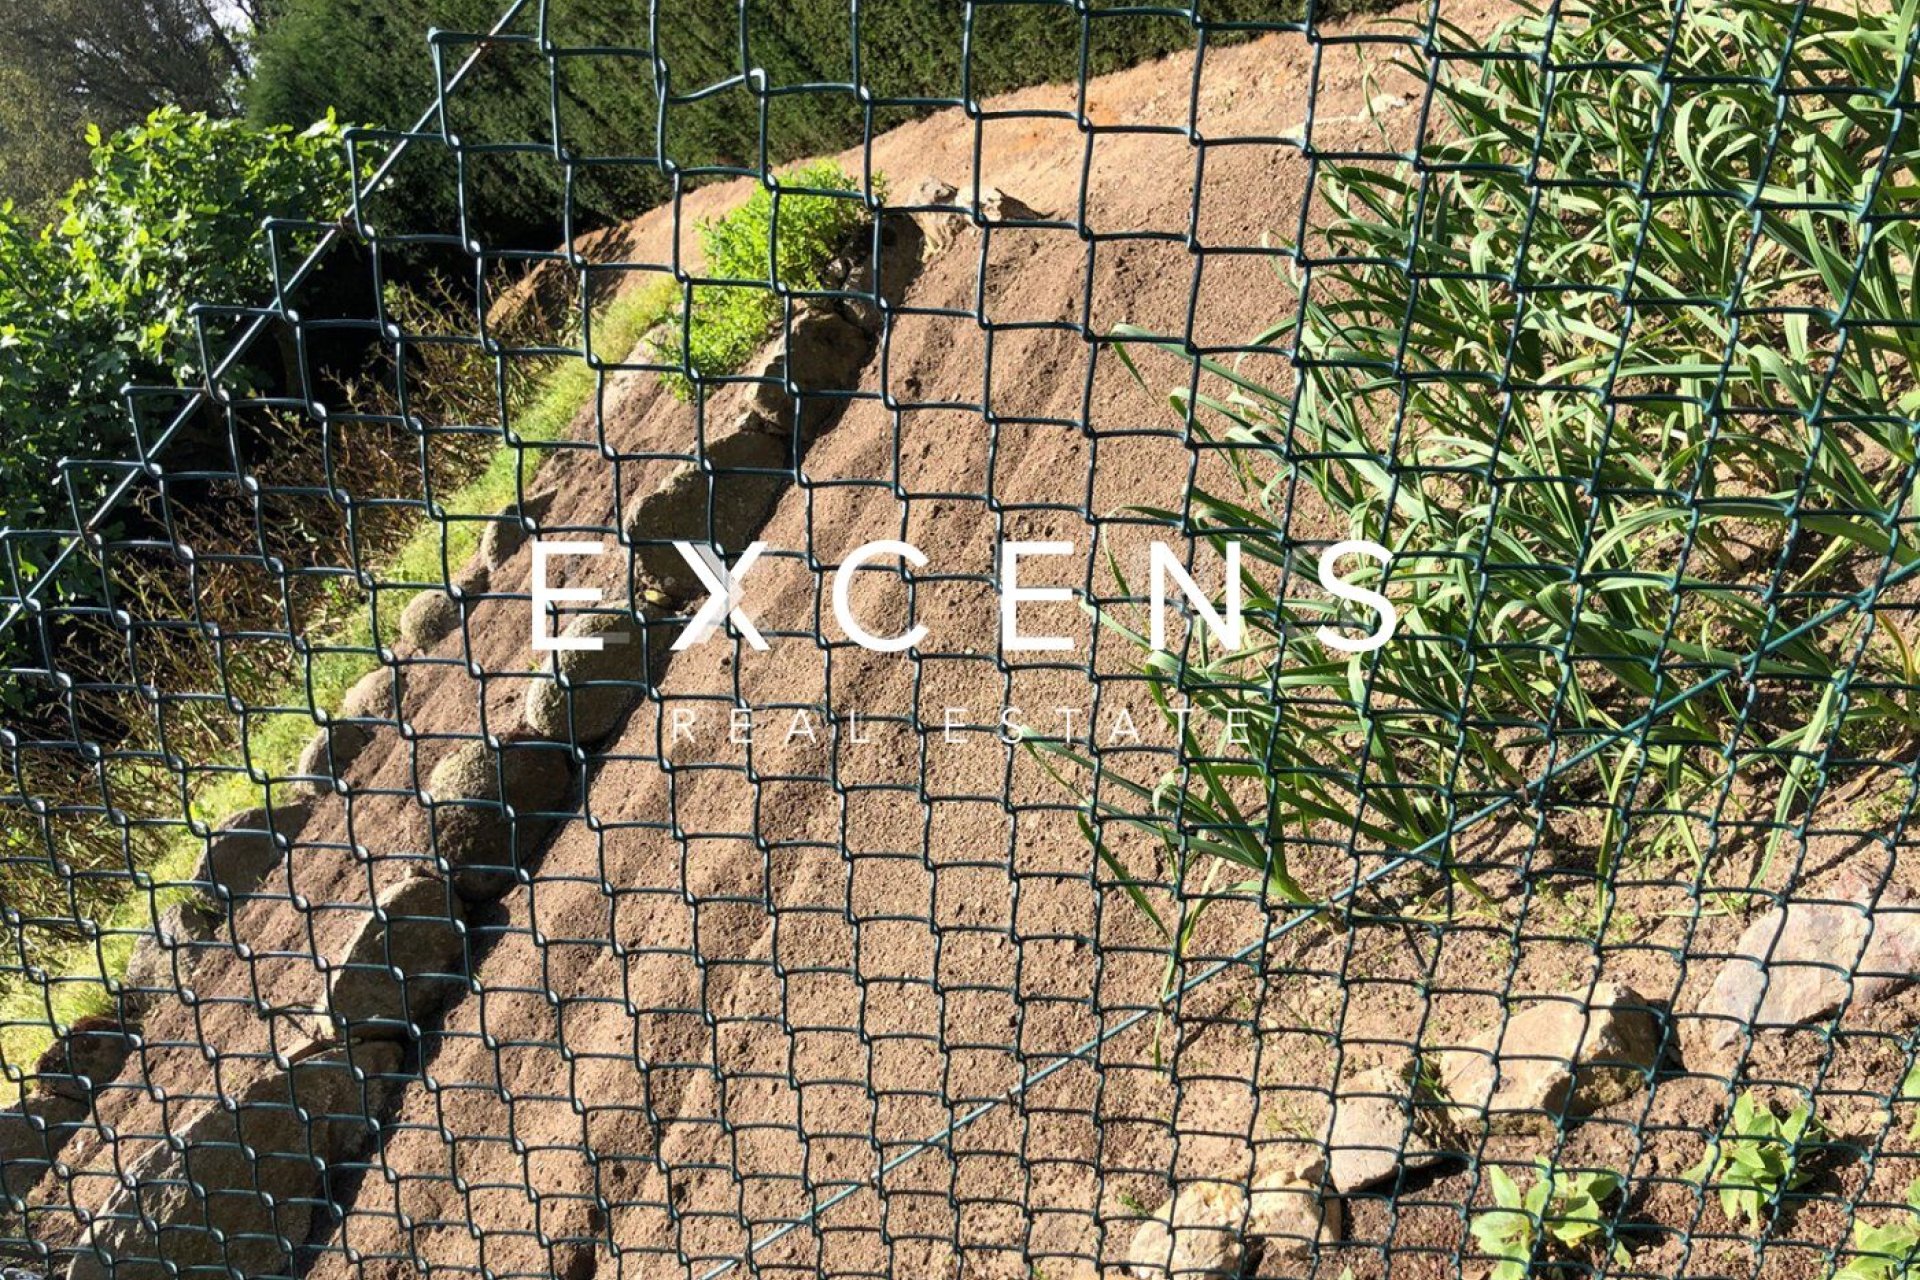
750, 988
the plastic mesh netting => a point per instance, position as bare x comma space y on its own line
1380, 739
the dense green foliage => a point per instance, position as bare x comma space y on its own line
1563, 564
728, 322
66, 64
170, 216
365, 59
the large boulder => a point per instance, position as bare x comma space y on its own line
234, 1190
591, 691
1212, 1228
247, 846
1554, 1060
32, 1132
490, 809
403, 963
724, 502
1804, 961
88, 1054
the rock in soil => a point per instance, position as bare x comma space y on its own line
327, 754
506, 532
375, 696
723, 503
1210, 1228
162, 961
943, 212
820, 354
469, 824
415, 932
90, 1054
432, 616
1804, 961
250, 1172
244, 850
1558, 1058
31, 1134
1290, 1216
1375, 1133
601, 685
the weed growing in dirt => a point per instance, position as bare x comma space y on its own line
1563, 1205
1886, 1252
1756, 1158
772, 245
1592, 429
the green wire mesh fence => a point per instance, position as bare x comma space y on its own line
1379, 739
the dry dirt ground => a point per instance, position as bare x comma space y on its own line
751, 989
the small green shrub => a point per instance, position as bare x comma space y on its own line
1565, 1205
1756, 1157
1887, 1252
769, 244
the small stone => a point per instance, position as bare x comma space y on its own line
1374, 1132
162, 961
234, 1190
1207, 1228
245, 849
469, 825
591, 691
432, 616
90, 1053
1797, 964
506, 532
725, 503
1290, 1216
818, 353
32, 1132
375, 696
1556, 1058
416, 931
324, 761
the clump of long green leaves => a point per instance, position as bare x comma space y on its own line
1619, 372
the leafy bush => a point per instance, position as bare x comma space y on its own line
769, 244
169, 217
370, 63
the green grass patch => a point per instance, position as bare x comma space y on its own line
768, 244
